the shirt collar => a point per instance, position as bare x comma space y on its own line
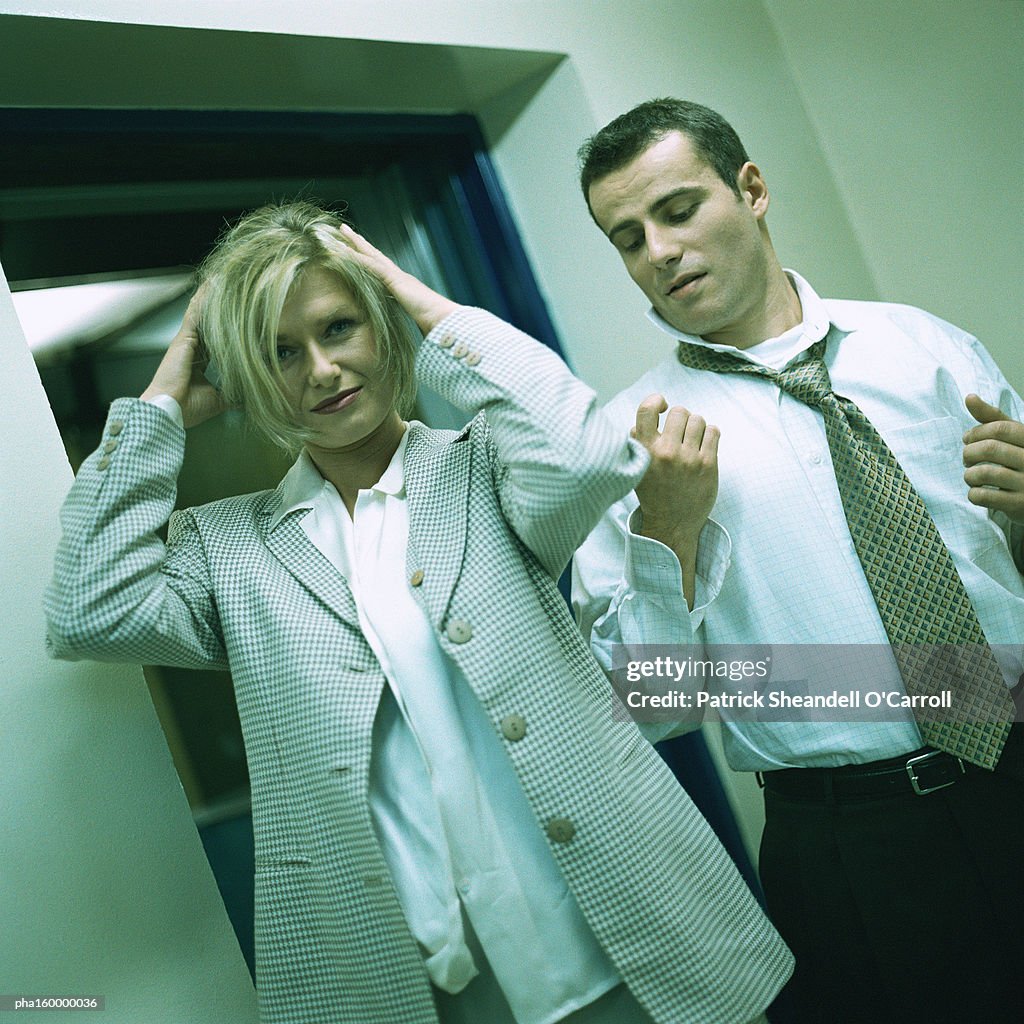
772, 351
303, 487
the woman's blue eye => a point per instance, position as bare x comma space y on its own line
340, 326
283, 352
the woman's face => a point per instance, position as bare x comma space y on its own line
327, 354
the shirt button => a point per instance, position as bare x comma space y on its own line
446, 341
560, 830
416, 578
816, 458
513, 727
459, 631
464, 887
115, 427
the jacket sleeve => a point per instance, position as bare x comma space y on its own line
118, 593
559, 462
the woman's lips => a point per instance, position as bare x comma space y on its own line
339, 401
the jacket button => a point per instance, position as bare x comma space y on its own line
560, 830
460, 350
109, 446
103, 463
459, 631
114, 427
473, 358
447, 341
513, 727
416, 578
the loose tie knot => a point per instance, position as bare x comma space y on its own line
807, 381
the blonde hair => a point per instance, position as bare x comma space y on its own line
247, 278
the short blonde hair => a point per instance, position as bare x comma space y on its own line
247, 278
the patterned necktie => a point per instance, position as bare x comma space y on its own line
934, 632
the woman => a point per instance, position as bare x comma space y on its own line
449, 821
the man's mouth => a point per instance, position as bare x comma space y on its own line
336, 402
684, 282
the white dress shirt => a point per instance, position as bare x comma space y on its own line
454, 824
776, 564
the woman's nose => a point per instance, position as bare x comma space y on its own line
322, 369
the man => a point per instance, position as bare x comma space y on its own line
836, 512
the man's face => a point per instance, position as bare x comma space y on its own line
695, 248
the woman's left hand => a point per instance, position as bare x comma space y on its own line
427, 307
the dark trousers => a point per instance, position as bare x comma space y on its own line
905, 909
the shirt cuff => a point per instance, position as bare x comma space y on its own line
170, 406
652, 568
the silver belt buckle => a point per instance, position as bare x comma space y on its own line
915, 782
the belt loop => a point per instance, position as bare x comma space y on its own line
759, 776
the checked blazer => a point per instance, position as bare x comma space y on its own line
495, 513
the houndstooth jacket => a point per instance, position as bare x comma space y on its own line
495, 514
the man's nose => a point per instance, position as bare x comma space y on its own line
663, 247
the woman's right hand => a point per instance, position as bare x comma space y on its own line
180, 373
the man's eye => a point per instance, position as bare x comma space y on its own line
630, 244
679, 216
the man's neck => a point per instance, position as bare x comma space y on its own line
777, 313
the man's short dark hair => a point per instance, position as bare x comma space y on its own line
625, 138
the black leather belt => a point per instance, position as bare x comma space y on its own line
922, 772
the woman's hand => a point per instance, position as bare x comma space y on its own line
427, 307
180, 373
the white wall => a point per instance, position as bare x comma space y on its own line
104, 887
822, 94
917, 107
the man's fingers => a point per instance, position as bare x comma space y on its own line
709, 445
1009, 502
988, 474
982, 411
648, 414
681, 429
1001, 453
694, 435
676, 424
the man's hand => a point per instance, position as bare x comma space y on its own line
180, 373
994, 457
679, 489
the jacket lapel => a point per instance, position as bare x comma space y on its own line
288, 542
437, 479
